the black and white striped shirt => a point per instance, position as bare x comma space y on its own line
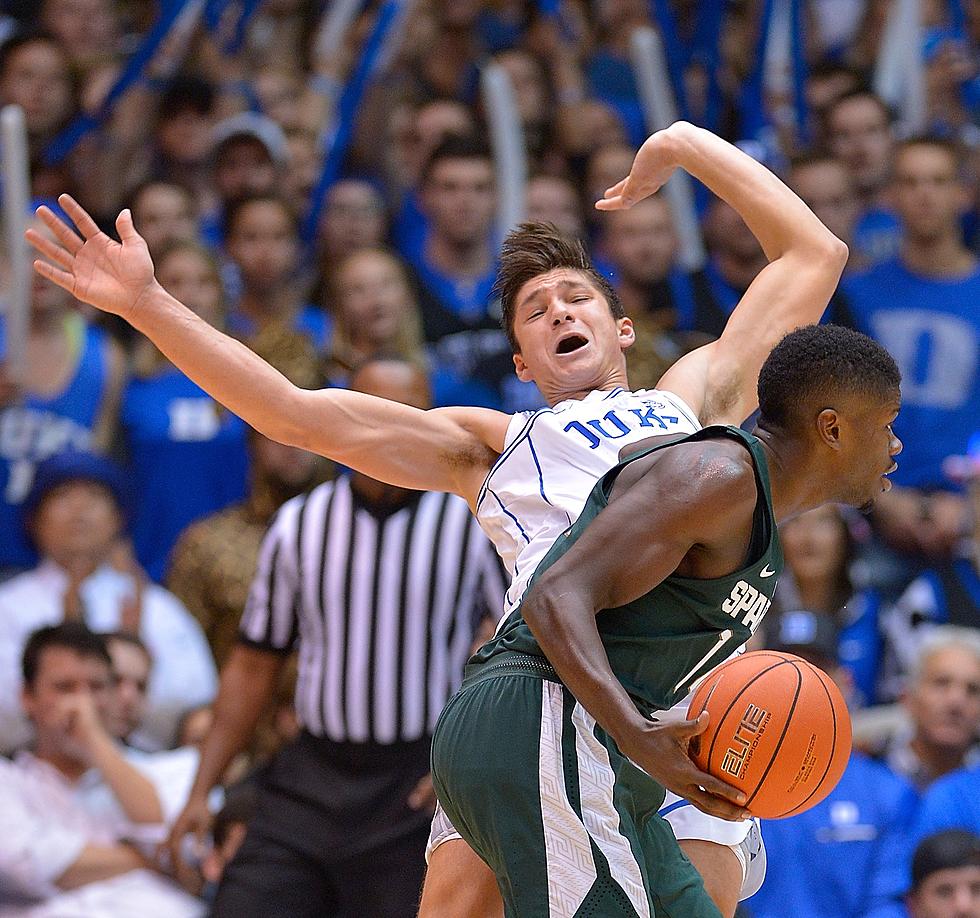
384, 607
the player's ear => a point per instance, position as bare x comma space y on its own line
829, 428
627, 334
521, 369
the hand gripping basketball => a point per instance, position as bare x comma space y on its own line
663, 751
779, 731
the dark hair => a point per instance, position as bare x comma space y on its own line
534, 249
71, 635
235, 206
186, 92
819, 362
455, 146
947, 850
831, 68
134, 640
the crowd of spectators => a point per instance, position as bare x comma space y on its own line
134, 508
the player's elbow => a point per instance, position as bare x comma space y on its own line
554, 606
542, 609
837, 252
827, 251
289, 424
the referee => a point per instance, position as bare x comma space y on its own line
382, 590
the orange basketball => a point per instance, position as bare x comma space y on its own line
778, 730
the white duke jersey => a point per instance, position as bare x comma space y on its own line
552, 459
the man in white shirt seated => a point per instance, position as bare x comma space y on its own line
75, 514
171, 770
79, 819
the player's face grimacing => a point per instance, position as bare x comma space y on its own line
569, 339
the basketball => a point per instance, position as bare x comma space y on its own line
778, 730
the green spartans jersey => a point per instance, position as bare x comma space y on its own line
663, 642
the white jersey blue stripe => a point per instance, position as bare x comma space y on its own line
552, 460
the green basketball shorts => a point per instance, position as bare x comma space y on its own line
568, 824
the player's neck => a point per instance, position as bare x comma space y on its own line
795, 484
941, 256
615, 380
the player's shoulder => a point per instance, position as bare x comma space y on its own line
723, 472
716, 463
709, 472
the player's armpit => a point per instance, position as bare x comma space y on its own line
719, 381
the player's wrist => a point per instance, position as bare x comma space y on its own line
630, 734
674, 139
146, 301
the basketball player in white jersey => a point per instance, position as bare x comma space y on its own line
526, 477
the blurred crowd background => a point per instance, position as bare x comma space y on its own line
134, 506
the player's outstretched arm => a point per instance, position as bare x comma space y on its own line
446, 449
624, 553
805, 264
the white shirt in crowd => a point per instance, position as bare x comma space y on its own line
183, 674
48, 820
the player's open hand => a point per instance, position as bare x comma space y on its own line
93, 268
663, 752
653, 165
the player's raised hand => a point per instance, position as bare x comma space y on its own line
93, 268
653, 164
663, 752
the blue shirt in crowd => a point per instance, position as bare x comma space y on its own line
860, 644
39, 427
188, 459
877, 236
845, 858
611, 80
931, 326
952, 802
466, 298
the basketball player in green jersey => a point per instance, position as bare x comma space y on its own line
550, 761
569, 335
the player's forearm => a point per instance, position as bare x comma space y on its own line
247, 683
774, 214
225, 368
134, 791
565, 628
